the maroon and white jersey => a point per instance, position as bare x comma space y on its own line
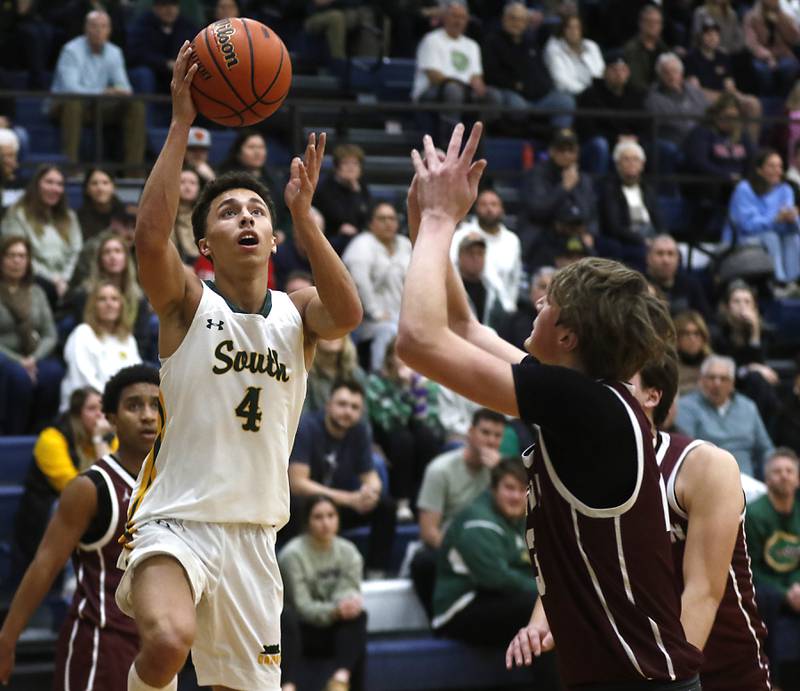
734, 652
605, 575
95, 559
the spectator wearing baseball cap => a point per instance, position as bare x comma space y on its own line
197, 151
551, 185
551, 246
482, 294
612, 92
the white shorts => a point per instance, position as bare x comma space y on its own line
238, 595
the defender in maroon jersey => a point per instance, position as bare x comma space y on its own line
706, 509
598, 527
97, 643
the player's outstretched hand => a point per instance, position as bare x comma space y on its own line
531, 641
6, 660
183, 108
304, 175
448, 186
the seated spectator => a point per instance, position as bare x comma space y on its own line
724, 15
337, 20
449, 67
740, 334
291, 255
693, 345
100, 201
42, 215
482, 294
763, 211
332, 456
22, 25
112, 262
681, 290
154, 38
568, 239
334, 361
642, 51
518, 327
97, 349
29, 376
573, 61
89, 64
613, 92
197, 153
678, 106
629, 215
503, 250
727, 418
403, 409
710, 67
771, 36
249, 153
550, 187
451, 482
513, 64
343, 198
182, 233
484, 591
322, 575
11, 182
786, 425
772, 524
721, 149
76, 440
378, 260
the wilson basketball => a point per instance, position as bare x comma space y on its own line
244, 72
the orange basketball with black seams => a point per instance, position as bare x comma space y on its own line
244, 72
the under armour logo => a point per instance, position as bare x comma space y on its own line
211, 323
126, 496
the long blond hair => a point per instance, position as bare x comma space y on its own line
128, 285
121, 329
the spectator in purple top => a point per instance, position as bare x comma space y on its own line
155, 37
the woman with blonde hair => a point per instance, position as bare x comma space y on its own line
693, 345
102, 345
42, 215
334, 360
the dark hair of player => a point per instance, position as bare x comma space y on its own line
228, 181
620, 326
509, 465
662, 375
136, 374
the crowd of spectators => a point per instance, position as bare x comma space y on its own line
378, 444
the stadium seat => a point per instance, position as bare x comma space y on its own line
16, 454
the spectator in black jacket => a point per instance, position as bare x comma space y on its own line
720, 149
613, 92
682, 290
786, 428
513, 63
343, 197
556, 184
629, 215
155, 38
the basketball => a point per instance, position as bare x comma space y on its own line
244, 72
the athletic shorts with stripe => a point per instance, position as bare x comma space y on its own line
238, 596
89, 658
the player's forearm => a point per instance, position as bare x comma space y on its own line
335, 285
538, 615
698, 611
160, 196
308, 487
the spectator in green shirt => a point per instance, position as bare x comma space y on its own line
772, 526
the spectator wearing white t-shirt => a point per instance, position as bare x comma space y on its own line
503, 253
573, 61
449, 66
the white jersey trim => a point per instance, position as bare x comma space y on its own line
97, 545
95, 653
672, 497
599, 591
576, 503
762, 666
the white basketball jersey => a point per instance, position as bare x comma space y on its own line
231, 397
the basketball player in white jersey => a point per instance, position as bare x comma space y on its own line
200, 568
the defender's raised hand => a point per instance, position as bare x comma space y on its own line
449, 186
183, 108
304, 175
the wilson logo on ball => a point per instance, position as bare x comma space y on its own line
224, 32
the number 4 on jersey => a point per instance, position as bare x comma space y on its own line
250, 410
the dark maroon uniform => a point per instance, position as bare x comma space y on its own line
98, 643
598, 532
734, 652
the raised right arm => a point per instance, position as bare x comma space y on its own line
173, 290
